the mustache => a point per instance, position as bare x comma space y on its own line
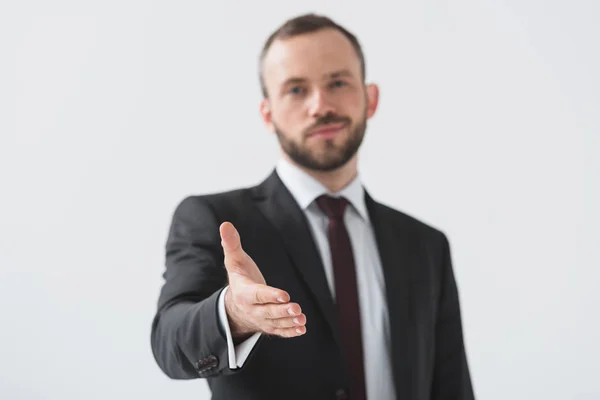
329, 119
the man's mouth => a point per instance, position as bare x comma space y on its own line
327, 131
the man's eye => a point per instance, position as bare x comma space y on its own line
338, 83
296, 90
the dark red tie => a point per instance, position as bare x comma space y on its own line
346, 292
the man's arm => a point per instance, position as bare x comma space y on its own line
187, 338
451, 380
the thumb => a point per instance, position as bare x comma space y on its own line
235, 256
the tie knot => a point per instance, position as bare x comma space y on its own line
334, 207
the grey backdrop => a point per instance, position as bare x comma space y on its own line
113, 111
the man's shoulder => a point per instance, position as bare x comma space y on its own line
216, 200
228, 201
406, 221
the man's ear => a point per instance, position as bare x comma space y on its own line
266, 115
372, 99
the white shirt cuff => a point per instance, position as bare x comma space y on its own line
243, 349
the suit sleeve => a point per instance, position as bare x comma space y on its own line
187, 339
451, 378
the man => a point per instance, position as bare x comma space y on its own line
304, 287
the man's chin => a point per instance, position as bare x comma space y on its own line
323, 165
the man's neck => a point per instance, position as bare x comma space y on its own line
334, 180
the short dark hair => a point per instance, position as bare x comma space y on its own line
302, 24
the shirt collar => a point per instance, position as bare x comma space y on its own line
305, 189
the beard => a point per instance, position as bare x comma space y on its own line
332, 157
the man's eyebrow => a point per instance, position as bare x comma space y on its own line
293, 80
339, 74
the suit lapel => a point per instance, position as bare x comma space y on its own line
279, 207
397, 259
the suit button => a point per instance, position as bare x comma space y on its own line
341, 394
212, 361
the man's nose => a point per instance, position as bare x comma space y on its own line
320, 104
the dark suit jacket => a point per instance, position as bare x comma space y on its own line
428, 354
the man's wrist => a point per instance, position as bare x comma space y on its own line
239, 333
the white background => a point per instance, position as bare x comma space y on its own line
114, 111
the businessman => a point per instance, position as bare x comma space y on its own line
304, 286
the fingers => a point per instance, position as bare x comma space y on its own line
289, 322
277, 311
285, 320
249, 293
232, 246
289, 332
263, 294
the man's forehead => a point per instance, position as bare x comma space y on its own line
312, 55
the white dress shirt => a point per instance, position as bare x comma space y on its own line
369, 276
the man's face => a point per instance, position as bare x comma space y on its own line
317, 102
